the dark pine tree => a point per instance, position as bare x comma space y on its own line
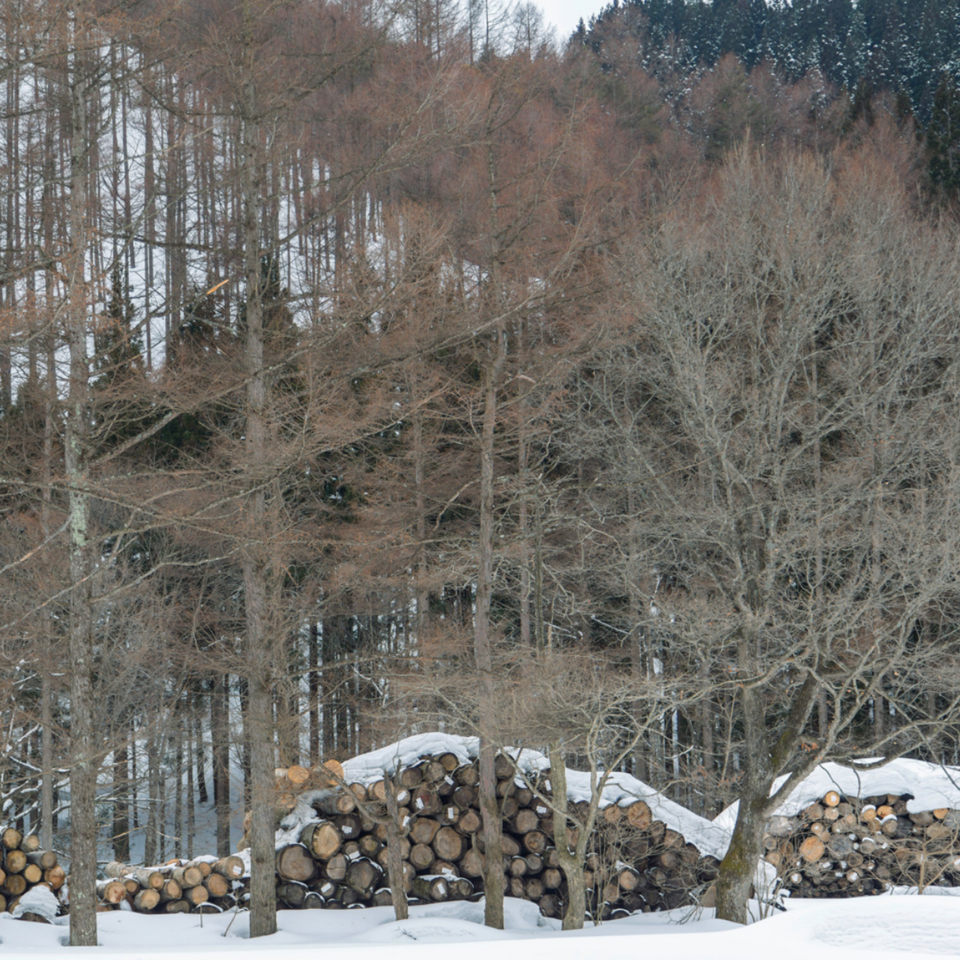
942, 141
120, 386
118, 346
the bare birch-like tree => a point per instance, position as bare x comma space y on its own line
775, 442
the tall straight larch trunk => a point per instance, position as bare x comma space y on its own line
151, 852
256, 567
313, 674
419, 481
200, 754
220, 752
50, 428
83, 740
46, 762
492, 829
121, 810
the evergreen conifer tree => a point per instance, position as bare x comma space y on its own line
943, 140
118, 346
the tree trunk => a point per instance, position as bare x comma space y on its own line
256, 566
121, 810
46, 762
492, 831
570, 862
220, 737
200, 755
398, 894
49, 431
739, 866
83, 739
313, 673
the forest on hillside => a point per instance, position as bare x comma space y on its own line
368, 368
906, 47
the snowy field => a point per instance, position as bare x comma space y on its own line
891, 927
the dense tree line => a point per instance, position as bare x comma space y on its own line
363, 370
901, 46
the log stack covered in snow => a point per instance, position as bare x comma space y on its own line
338, 859
334, 824
842, 846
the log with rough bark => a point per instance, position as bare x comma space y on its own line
293, 894
146, 900
10, 838
55, 877
187, 876
232, 868
171, 890
44, 859
322, 838
332, 804
150, 878
432, 888
295, 863
363, 876
196, 895
216, 885
111, 891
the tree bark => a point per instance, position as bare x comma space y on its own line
492, 830
570, 862
121, 810
739, 865
83, 741
398, 894
256, 566
220, 751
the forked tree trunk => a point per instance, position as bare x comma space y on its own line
765, 758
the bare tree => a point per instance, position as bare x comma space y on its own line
781, 422
582, 704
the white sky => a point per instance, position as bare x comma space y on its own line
564, 14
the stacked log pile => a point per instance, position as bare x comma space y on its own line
175, 887
635, 862
849, 846
23, 865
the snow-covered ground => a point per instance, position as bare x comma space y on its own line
883, 928
892, 926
